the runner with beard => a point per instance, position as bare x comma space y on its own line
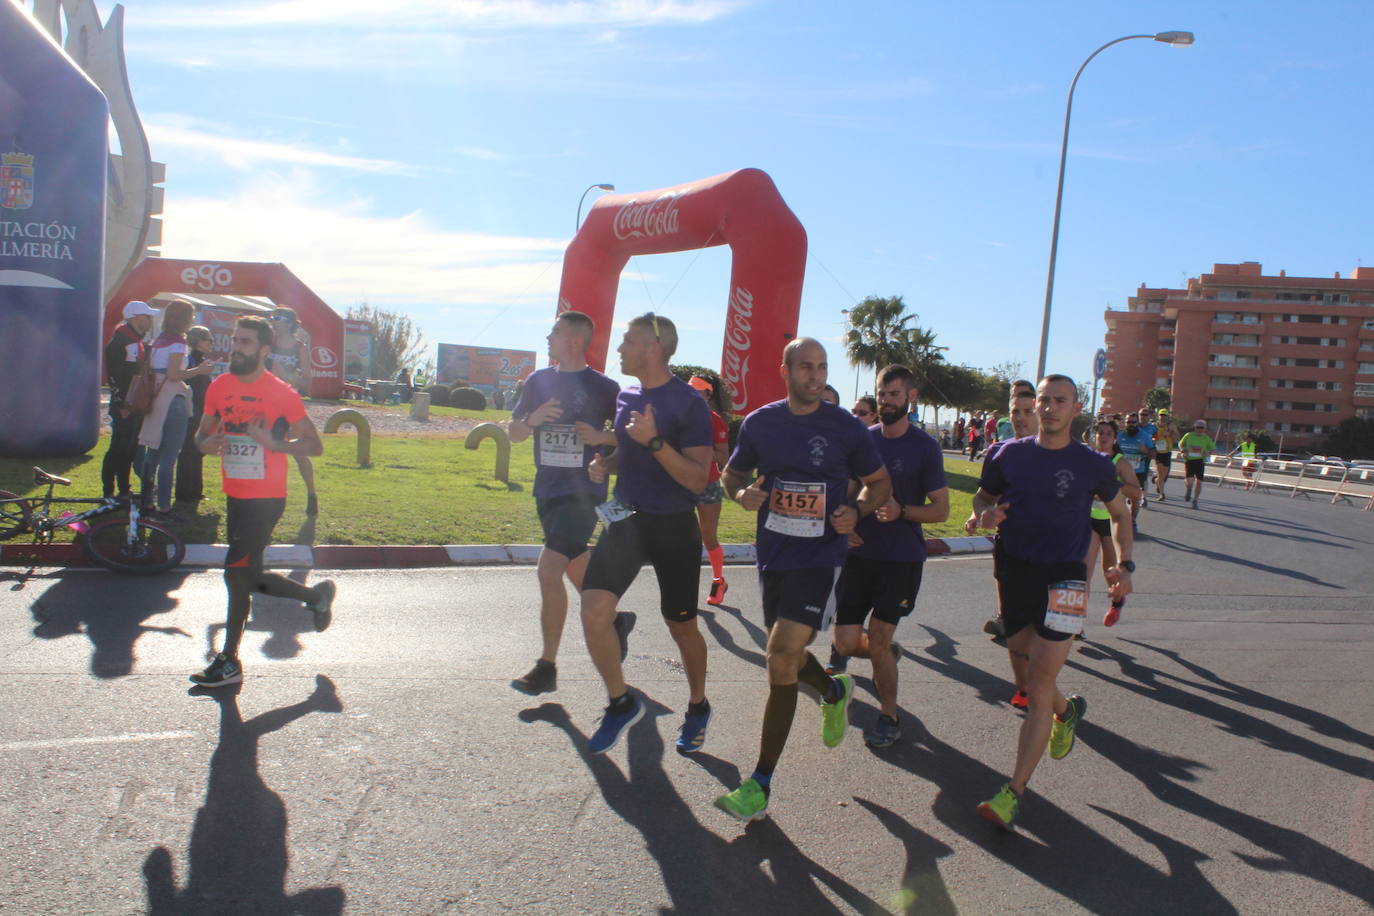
1137, 443
1037, 493
887, 551
805, 453
253, 420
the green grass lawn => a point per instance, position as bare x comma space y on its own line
417, 491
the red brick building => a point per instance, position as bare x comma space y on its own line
1292, 356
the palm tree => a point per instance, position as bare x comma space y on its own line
876, 330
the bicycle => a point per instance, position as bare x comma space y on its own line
130, 544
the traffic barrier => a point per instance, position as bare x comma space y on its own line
485, 431
359, 422
1363, 476
1298, 478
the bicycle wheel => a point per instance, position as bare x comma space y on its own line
15, 515
157, 549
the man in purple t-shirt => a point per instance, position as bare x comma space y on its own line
887, 551
565, 407
1037, 493
663, 456
805, 451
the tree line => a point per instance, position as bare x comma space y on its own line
881, 331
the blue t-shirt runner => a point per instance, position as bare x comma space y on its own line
683, 421
560, 459
916, 465
805, 451
1136, 445
806, 461
1050, 495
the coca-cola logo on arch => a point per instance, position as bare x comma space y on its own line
738, 325
637, 220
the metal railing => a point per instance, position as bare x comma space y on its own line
1300, 478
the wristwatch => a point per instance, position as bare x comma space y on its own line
654, 444
1128, 565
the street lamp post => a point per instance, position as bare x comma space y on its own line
1176, 39
602, 187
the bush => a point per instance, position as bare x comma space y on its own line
438, 395
467, 399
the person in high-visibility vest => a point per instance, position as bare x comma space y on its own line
1166, 439
1246, 450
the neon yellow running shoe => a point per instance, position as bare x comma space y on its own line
747, 803
1001, 809
835, 716
1061, 734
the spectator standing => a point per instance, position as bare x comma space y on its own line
164, 428
123, 353
289, 360
190, 486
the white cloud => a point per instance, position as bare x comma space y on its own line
347, 252
243, 154
470, 14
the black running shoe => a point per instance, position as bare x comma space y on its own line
323, 605
994, 628
223, 670
542, 678
624, 623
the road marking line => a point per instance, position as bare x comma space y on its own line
94, 739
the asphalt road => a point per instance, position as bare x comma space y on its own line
386, 767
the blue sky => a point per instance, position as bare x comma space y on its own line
429, 155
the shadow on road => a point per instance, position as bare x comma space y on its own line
81, 603
238, 854
1241, 561
761, 870
726, 640
1049, 836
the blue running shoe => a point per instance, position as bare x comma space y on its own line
693, 732
613, 725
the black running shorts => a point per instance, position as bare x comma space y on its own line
248, 525
671, 543
1195, 467
1164, 459
568, 523
1102, 527
804, 595
1023, 589
886, 587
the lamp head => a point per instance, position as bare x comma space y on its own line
611, 187
1177, 39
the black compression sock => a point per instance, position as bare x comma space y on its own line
699, 709
620, 704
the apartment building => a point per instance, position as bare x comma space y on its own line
1290, 355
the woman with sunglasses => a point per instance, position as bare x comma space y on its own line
866, 409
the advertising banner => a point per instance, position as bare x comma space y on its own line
357, 349
53, 163
487, 369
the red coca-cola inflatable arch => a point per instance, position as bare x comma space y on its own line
155, 276
741, 209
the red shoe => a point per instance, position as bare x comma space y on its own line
718, 590
1113, 614
1020, 700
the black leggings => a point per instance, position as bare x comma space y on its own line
248, 524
